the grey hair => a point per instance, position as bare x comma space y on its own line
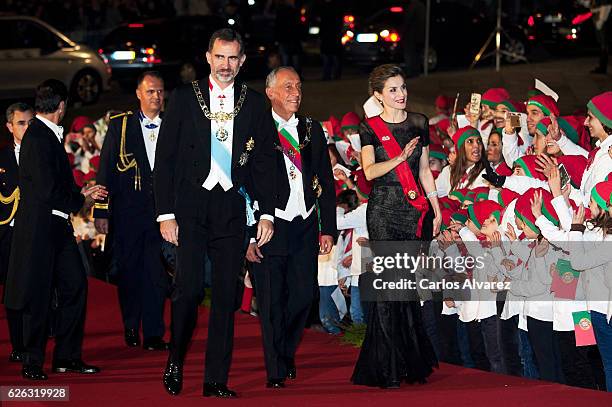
271, 78
17, 107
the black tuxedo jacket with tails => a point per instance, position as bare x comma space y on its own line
183, 153
46, 183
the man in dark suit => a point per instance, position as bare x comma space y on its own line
18, 117
126, 170
215, 141
44, 255
286, 269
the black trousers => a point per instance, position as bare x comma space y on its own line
142, 282
581, 365
509, 338
546, 349
13, 317
70, 282
286, 285
217, 231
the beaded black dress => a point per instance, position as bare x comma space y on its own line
396, 347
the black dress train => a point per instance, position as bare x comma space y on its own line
396, 347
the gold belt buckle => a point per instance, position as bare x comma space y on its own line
412, 194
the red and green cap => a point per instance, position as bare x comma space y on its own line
572, 127
446, 218
350, 121
602, 193
470, 196
335, 127
481, 193
443, 102
438, 151
546, 103
506, 196
460, 194
481, 211
542, 126
534, 92
529, 165
548, 210
494, 97
575, 166
460, 216
446, 202
523, 211
513, 106
463, 134
601, 107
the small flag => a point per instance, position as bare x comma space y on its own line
565, 280
583, 328
542, 87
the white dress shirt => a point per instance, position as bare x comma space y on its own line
216, 176
150, 137
220, 100
59, 133
296, 205
597, 171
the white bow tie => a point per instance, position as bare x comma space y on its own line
292, 123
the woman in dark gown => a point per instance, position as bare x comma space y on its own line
396, 347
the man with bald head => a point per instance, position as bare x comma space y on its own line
285, 270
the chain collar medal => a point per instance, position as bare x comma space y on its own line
219, 117
290, 148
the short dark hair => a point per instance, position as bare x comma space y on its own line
381, 74
16, 107
226, 34
89, 126
154, 74
349, 198
49, 94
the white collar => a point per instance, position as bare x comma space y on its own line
293, 121
58, 130
606, 143
215, 89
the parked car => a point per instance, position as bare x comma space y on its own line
567, 25
175, 47
456, 34
32, 51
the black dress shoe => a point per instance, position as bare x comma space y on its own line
275, 384
218, 390
291, 370
155, 343
16, 356
173, 378
131, 338
74, 366
31, 372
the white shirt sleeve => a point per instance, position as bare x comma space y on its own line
564, 212
521, 184
352, 220
568, 147
164, 217
510, 148
267, 217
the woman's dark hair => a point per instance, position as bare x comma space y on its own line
380, 75
603, 221
228, 35
49, 94
349, 198
461, 165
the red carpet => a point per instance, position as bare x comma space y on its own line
132, 377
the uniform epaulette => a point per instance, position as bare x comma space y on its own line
129, 112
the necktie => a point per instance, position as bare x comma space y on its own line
149, 124
591, 158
